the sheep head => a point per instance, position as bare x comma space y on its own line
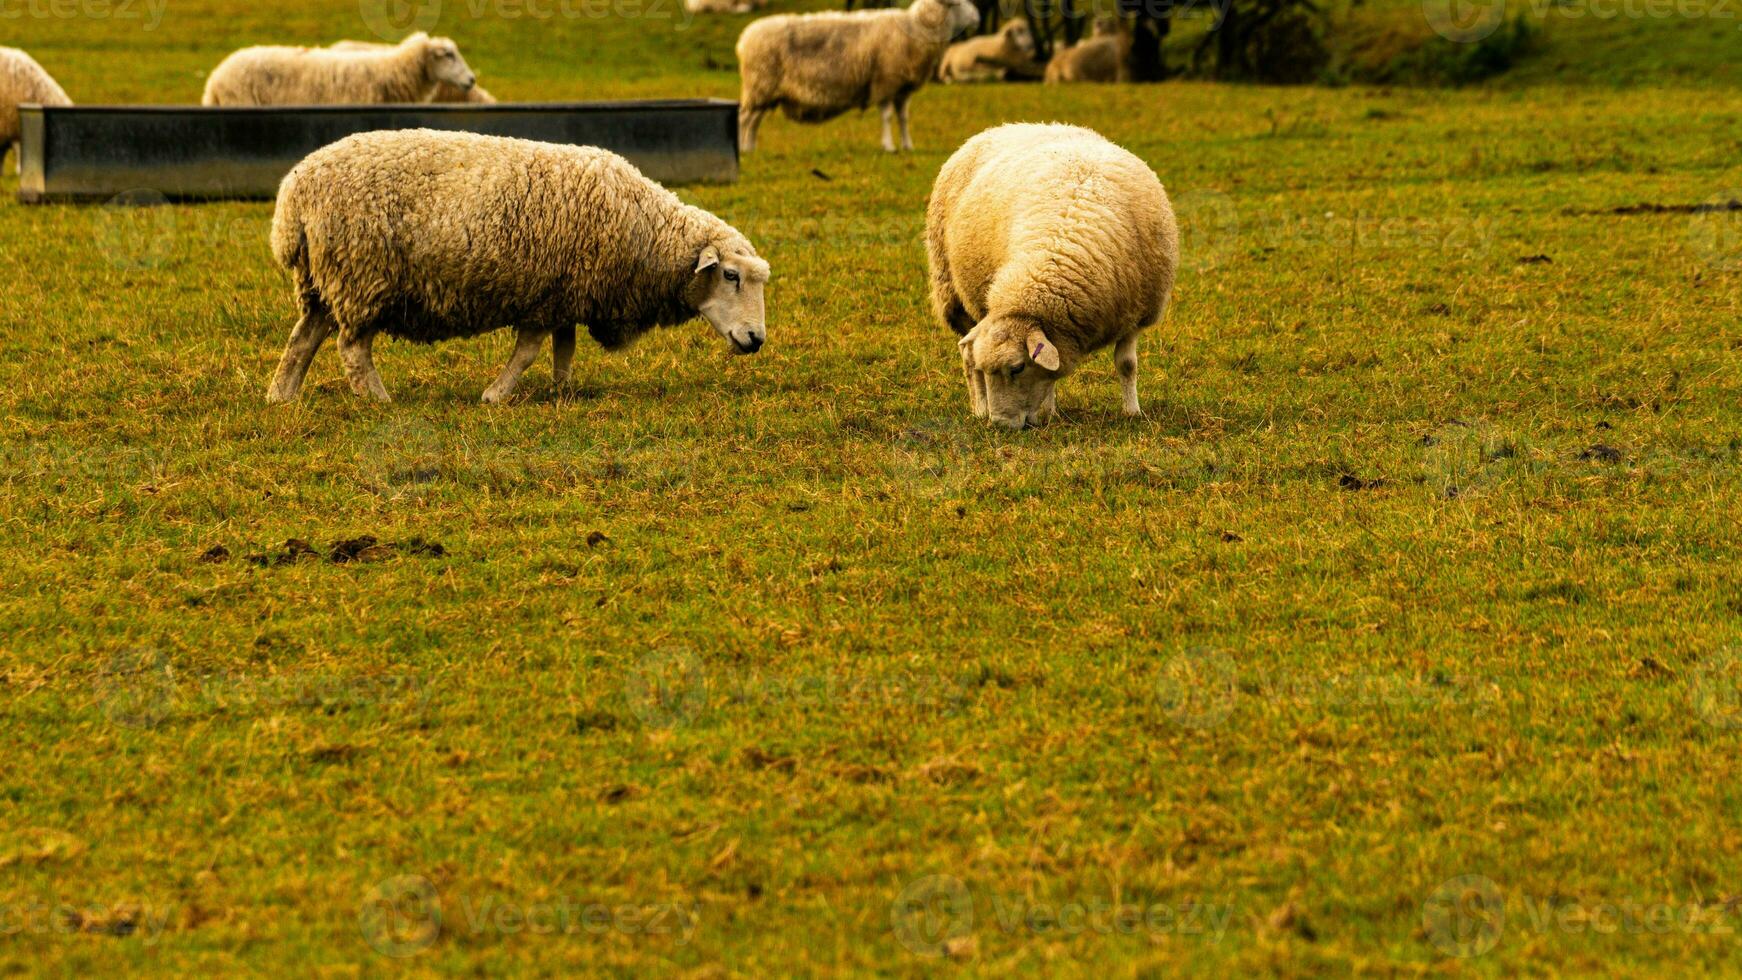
942, 21
727, 290
442, 62
1016, 366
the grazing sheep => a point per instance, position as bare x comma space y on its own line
22, 81
818, 66
1046, 243
1102, 57
445, 92
410, 71
432, 236
987, 58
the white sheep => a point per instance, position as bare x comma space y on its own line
432, 236
817, 66
23, 81
1046, 243
411, 71
988, 57
445, 92
1104, 56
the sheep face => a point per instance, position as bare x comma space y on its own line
1014, 368
443, 63
1019, 38
942, 21
728, 293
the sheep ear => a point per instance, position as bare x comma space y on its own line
1041, 351
966, 345
421, 37
710, 258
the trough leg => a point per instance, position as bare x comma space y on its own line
563, 355
1125, 359
310, 333
888, 121
526, 350
357, 351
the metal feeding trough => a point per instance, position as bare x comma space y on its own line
94, 153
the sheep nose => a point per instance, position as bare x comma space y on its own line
751, 344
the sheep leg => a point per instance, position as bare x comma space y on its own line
357, 352
563, 354
749, 121
888, 120
901, 107
310, 333
1125, 359
526, 350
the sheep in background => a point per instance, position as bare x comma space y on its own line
817, 66
432, 236
22, 81
445, 92
723, 6
1102, 57
988, 58
411, 71
1046, 243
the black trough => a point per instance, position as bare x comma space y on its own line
94, 153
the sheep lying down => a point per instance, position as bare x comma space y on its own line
1046, 243
431, 236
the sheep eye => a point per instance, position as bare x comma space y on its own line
731, 276
1018, 369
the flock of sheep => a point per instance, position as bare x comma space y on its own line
1046, 243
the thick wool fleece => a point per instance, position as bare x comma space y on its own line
1051, 226
818, 66
428, 235
266, 76
22, 80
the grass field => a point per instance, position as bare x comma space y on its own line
1402, 636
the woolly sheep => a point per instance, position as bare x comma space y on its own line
1046, 243
985, 58
445, 92
1103, 57
432, 236
818, 66
23, 81
411, 71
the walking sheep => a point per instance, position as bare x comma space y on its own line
445, 92
817, 66
1046, 244
432, 236
1103, 57
411, 71
986, 58
22, 81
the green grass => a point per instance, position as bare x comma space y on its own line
1422, 565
